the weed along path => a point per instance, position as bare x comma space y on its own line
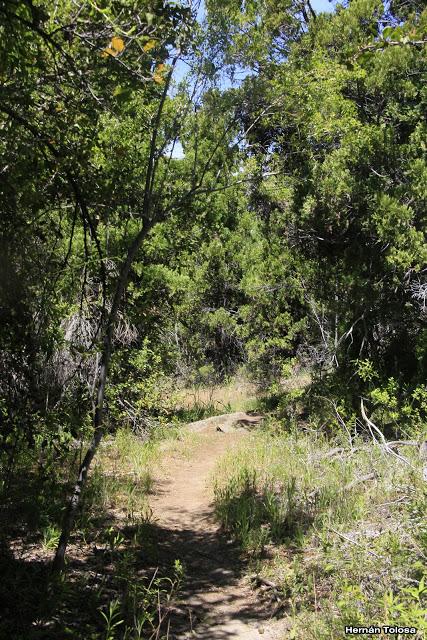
216, 601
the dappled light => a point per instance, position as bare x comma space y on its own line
213, 353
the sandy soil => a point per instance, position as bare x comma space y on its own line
217, 601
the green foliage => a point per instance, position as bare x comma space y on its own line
402, 410
112, 619
347, 549
341, 135
289, 233
408, 608
51, 535
78, 109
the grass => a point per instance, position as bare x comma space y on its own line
237, 394
111, 588
120, 481
199, 402
341, 550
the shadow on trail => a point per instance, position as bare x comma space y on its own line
33, 607
210, 595
212, 599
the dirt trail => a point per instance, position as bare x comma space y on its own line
217, 601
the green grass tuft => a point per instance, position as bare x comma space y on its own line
343, 536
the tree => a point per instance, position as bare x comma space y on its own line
342, 143
84, 66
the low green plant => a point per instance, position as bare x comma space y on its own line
408, 608
112, 618
144, 606
51, 535
115, 539
347, 527
148, 601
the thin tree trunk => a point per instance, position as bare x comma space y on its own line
74, 502
148, 220
98, 419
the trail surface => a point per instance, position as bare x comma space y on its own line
217, 601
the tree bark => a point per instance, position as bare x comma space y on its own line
149, 218
98, 419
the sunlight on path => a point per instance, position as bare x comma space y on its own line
217, 601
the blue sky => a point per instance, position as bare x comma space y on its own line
322, 5
318, 6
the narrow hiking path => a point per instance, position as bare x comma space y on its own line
216, 602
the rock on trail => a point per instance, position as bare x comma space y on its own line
227, 422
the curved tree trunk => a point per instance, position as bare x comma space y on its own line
98, 418
148, 220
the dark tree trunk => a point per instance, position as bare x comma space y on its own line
98, 419
148, 219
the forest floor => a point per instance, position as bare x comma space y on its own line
213, 528
217, 600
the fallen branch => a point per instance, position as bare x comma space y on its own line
334, 452
348, 539
354, 483
403, 443
397, 501
392, 444
272, 588
372, 426
260, 581
341, 451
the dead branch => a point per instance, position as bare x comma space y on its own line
391, 444
334, 452
377, 46
373, 427
361, 480
402, 443
348, 539
260, 581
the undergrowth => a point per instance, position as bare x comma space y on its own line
342, 533
112, 588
